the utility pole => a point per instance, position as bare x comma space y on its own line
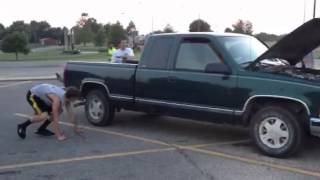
198, 24
152, 24
314, 8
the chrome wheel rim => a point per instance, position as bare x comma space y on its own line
96, 109
273, 132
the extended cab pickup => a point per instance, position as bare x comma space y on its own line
215, 77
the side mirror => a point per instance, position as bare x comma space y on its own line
217, 68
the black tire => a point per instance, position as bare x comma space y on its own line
271, 140
99, 110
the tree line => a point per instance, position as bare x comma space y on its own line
17, 37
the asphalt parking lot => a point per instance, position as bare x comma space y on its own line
138, 146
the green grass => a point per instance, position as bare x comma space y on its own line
91, 48
55, 53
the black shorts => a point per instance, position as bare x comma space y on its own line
38, 105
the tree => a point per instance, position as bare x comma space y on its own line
20, 26
199, 25
15, 42
83, 30
115, 33
243, 27
168, 29
39, 30
83, 19
131, 29
228, 29
157, 32
265, 37
2, 31
85, 34
100, 38
95, 27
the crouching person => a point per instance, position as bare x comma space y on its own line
48, 101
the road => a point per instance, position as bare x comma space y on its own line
30, 68
138, 146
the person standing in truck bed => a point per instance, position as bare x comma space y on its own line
123, 53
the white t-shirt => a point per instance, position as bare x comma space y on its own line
118, 55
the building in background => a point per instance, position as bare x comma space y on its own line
49, 42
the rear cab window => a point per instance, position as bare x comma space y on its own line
159, 53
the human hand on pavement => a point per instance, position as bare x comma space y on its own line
78, 130
62, 137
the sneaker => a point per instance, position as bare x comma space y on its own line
21, 130
44, 132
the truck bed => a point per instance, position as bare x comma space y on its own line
119, 77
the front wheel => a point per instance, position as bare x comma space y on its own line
99, 110
276, 131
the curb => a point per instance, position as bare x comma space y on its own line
29, 78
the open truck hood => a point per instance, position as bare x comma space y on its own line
294, 46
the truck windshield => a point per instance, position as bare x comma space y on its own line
243, 49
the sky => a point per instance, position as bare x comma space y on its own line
271, 16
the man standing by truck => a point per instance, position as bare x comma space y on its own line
123, 53
48, 101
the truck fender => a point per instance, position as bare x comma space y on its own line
93, 81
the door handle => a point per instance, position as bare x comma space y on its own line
172, 79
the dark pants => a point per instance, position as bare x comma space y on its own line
39, 106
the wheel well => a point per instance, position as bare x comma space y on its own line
87, 87
297, 108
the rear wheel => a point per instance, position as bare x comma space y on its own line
99, 110
276, 131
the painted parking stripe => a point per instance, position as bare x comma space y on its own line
26, 116
195, 148
174, 147
83, 158
141, 138
119, 134
253, 161
14, 84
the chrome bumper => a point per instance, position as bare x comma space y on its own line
315, 126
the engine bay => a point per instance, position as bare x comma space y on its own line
280, 66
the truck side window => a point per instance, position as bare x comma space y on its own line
159, 54
195, 54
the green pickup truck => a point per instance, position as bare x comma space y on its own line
229, 78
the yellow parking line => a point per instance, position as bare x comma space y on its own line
149, 140
83, 158
195, 148
119, 134
253, 161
